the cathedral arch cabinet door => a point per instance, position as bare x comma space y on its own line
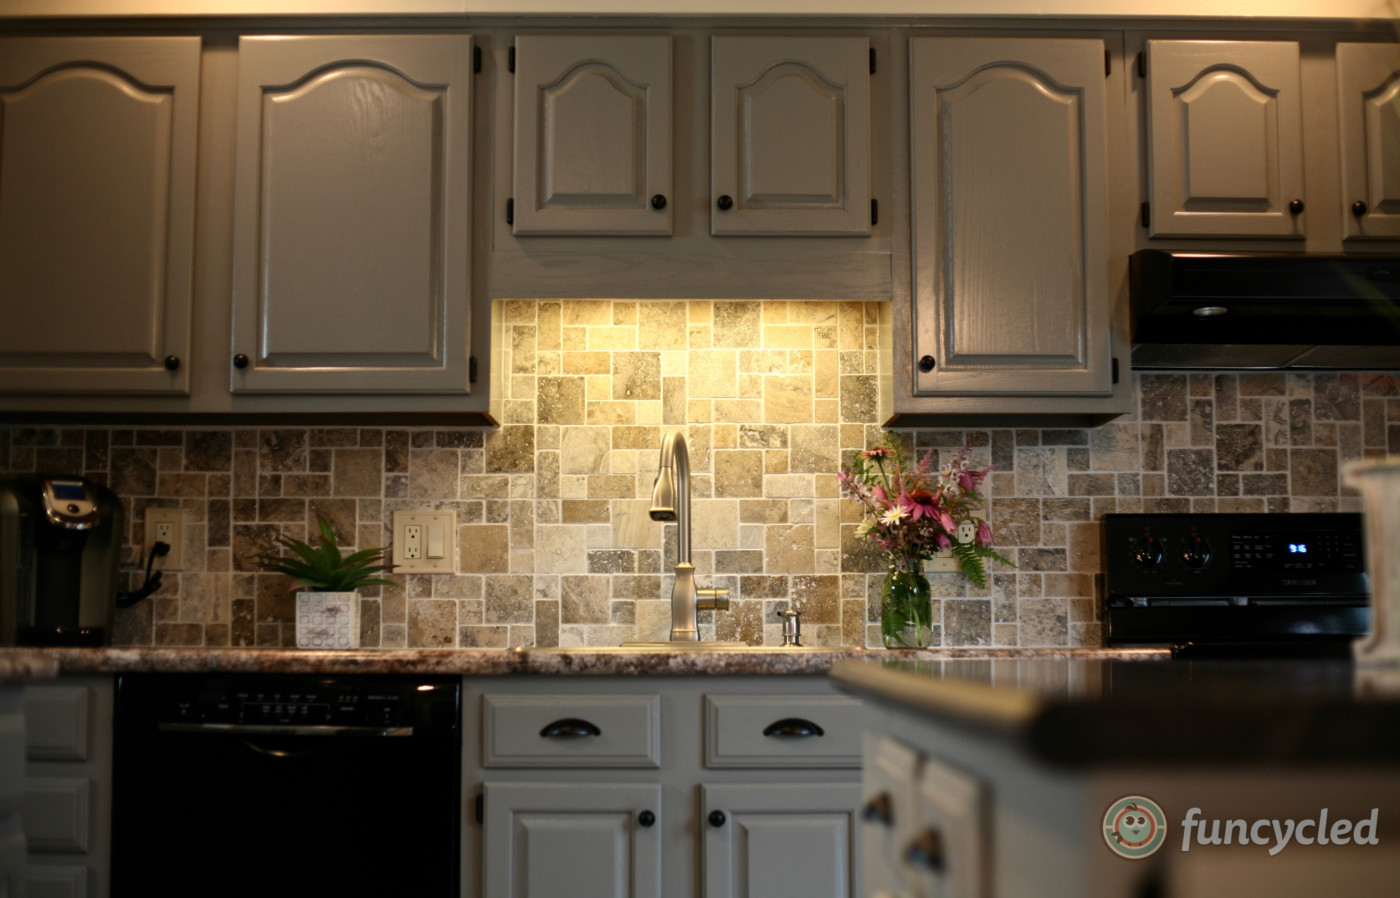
352, 214
97, 183
1368, 94
790, 136
592, 135
1010, 237
1225, 139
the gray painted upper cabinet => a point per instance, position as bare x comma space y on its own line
593, 135
790, 135
97, 191
352, 224
1010, 239
1368, 91
1225, 139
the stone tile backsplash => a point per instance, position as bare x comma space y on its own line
556, 547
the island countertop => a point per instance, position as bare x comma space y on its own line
528, 661
1077, 712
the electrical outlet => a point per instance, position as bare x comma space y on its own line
425, 542
944, 562
164, 525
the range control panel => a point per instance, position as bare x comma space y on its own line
1234, 557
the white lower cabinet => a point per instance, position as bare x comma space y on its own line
639, 787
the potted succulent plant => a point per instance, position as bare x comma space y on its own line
328, 606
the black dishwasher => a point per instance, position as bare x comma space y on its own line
286, 785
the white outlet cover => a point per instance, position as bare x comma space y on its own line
173, 560
447, 521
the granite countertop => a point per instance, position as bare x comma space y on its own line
1106, 712
493, 662
26, 665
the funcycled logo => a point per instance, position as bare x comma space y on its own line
1134, 827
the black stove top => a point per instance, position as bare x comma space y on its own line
1285, 584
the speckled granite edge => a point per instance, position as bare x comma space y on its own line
550, 662
26, 665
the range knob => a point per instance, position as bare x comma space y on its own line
1197, 552
1149, 554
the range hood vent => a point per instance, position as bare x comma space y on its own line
1256, 311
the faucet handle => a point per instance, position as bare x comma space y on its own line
712, 599
792, 626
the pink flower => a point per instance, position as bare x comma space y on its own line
878, 452
919, 504
949, 525
879, 495
984, 534
944, 543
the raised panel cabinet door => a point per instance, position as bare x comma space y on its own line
592, 135
97, 190
1225, 139
561, 840
780, 840
1009, 188
1368, 94
790, 136
352, 199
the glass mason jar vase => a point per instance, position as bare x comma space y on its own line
906, 608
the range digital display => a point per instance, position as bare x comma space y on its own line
1297, 551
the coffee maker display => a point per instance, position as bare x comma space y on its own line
60, 542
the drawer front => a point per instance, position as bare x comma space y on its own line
782, 731
56, 813
56, 723
571, 730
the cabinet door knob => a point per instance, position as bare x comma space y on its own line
570, 728
717, 818
1358, 208
725, 202
1295, 207
926, 363
658, 201
879, 809
240, 361
789, 727
926, 851
646, 818
172, 363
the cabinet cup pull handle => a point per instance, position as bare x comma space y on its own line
926, 851
658, 201
240, 361
792, 726
1358, 208
725, 202
879, 809
717, 818
646, 818
172, 363
1296, 207
569, 728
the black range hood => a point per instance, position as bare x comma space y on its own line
1258, 311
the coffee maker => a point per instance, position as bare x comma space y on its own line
60, 543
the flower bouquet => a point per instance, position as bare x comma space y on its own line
913, 513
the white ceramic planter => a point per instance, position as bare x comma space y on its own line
328, 620
1379, 483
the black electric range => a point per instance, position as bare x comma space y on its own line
1236, 584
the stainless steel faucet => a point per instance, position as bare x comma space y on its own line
670, 501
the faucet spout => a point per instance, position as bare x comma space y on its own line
670, 501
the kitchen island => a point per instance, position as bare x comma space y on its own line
1073, 777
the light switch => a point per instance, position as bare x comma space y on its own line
425, 542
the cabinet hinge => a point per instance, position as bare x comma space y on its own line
471, 369
1142, 64
872, 60
476, 59
510, 211
1145, 214
1107, 63
481, 807
1115, 370
874, 212
510, 59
